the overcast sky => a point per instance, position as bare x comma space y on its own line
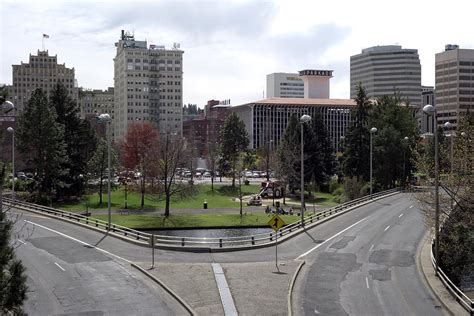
230, 46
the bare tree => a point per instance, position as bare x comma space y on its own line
168, 156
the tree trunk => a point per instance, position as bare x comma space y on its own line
167, 203
212, 183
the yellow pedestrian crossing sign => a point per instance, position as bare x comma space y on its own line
276, 222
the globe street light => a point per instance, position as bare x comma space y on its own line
106, 119
373, 130
430, 110
12, 131
304, 118
7, 106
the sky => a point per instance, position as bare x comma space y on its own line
230, 46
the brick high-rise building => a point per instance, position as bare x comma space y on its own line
148, 85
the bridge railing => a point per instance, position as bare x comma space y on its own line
459, 295
204, 242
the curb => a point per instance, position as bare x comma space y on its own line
290, 290
432, 282
166, 288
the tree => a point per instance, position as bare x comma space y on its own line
168, 154
98, 163
234, 140
138, 151
212, 159
80, 141
397, 133
41, 138
357, 151
289, 157
456, 201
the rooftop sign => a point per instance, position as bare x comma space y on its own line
313, 72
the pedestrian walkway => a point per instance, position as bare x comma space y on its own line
257, 288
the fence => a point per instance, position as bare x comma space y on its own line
202, 242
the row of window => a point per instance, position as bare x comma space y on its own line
153, 54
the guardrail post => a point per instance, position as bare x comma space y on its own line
87, 220
182, 241
113, 228
96, 223
253, 240
138, 236
271, 236
220, 242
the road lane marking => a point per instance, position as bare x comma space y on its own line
21, 241
330, 238
367, 282
79, 241
371, 247
224, 291
59, 266
411, 206
400, 215
386, 228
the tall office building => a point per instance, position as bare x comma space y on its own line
95, 102
147, 85
42, 71
285, 85
454, 80
382, 70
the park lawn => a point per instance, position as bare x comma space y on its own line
221, 197
194, 220
321, 198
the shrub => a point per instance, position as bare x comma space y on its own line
334, 185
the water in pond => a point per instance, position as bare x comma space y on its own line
212, 233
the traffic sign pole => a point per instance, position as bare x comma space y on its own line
152, 251
276, 251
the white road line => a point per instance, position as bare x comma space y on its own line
224, 291
386, 228
79, 241
400, 215
21, 241
367, 282
371, 247
330, 238
59, 266
411, 206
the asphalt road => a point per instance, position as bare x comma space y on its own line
362, 263
67, 277
369, 269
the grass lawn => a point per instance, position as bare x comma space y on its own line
221, 197
198, 220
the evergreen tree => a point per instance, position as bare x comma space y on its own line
41, 138
357, 140
234, 140
289, 156
391, 151
80, 141
322, 158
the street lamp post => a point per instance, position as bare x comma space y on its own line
431, 111
304, 118
405, 139
448, 126
12, 131
268, 158
373, 130
106, 119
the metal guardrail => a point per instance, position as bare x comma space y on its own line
204, 242
462, 298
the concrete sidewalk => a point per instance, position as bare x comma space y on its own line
437, 287
256, 288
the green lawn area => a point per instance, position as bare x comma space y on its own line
198, 220
221, 197
321, 198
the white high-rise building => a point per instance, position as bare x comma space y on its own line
284, 85
148, 85
383, 70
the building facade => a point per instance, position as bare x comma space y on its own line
383, 70
427, 97
266, 120
41, 71
284, 85
454, 81
148, 85
96, 102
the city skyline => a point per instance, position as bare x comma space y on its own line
229, 47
